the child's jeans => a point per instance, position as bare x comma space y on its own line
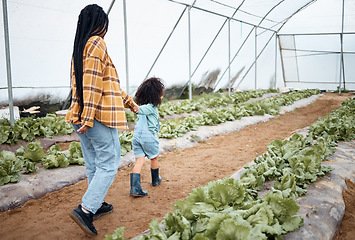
102, 153
144, 142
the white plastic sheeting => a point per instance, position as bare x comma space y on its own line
42, 34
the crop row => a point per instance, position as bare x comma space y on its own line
176, 128
205, 101
26, 160
12, 164
29, 128
232, 209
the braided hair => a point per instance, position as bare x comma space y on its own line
150, 91
93, 21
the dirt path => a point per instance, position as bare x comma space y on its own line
346, 230
182, 170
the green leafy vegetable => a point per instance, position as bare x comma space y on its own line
34, 151
10, 165
75, 154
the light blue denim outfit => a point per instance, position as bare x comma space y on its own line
102, 154
145, 140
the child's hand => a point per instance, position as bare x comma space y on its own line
135, 109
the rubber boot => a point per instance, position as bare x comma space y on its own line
156, 179
136, 189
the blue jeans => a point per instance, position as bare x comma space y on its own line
144, 142
102, 154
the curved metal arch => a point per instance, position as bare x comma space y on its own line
209, 47
255, 27
248, 13
297, 11
257, 55
283, 23
218, 14
272, 9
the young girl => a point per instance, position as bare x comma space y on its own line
145, 141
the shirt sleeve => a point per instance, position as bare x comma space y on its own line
93, 66
145, 110
128, 101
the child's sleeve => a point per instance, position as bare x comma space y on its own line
145, 110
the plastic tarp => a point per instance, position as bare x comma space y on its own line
42, 34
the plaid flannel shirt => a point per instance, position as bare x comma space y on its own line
104, 100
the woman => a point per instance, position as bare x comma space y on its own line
96, 112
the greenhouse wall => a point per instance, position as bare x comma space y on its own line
42, 34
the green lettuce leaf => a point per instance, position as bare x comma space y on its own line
34, 151
230, 230
75, 154
10, 165
117, 234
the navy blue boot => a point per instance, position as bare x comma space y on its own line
136, 189
156, 179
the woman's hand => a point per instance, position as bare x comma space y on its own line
83, 129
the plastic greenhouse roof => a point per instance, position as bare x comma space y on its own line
273, 14
41, 34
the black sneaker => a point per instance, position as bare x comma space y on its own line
104, 209
84, 220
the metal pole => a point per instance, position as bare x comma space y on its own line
340, 72
249, 69
282, 62
221, 15
110, 7
189, 39
126, 45
342, 45
8, 63
256, 53
235, 55
167, 40
229, 57
275, 60
204, 55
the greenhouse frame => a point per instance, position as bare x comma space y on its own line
252, 44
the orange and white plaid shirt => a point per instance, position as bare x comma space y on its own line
104, 100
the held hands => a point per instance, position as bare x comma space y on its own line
135, 108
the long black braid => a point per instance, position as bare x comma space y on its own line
93, 21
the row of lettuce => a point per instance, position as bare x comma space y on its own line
177, 128
204, 101
29, 128
11, 164
231, 208
26, 161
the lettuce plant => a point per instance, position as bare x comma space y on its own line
75, 154
55, 158
34, 151
10, 166
29, 128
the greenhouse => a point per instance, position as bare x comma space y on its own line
255, 124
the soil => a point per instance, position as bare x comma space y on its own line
182, 170
346, 230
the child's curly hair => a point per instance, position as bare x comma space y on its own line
150, 91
